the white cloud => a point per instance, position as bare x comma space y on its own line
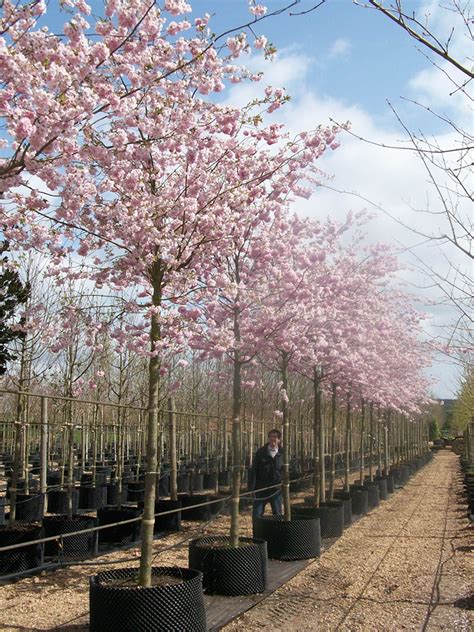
339, 48
393, 182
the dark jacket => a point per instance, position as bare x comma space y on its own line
267, 470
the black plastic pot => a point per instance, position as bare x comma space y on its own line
299, 485
382, 484
209, 480
390, 483
195, 513
158, 608
374, 496
24, 558
104, 470
230, 570
86, 479
168, 522
33, 486
198, 482
76, 546
360, 500
120, 534
164, 486
113, 494
224, 478
346, 499
184, 482
401, 475
2, 510
58, 501
298, 539
136, 492
92, 497
221, 507
29, 507
330, 514
53, 478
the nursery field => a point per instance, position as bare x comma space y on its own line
408, 564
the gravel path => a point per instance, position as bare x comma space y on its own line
401, 567
406, 566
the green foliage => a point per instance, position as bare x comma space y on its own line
12, 294
434, 430
463, 411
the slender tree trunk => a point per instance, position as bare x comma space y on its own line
386, 444
322, 448
379, 443
173, 456
371, 440
225, 446
17, 455
44, 446
362, 429
316, 421
347, 443
236, 432
148, 520
286, 440
70, 460
332, 476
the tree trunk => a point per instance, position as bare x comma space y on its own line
70, 460
236, 431
362, 429
17, 455
371, 441
148, 520
173, 457
44, 445
347, 444
316, 421
332, 476
379, 443
322, 450
286, 440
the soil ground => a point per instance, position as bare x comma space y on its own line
407, 565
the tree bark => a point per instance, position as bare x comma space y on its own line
347, 444
173, 456
332, 477
44, 445
316, 421
286, 441
322, 450
148, 520
371, 440
362, 429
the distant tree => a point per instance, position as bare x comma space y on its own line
464, 405
13, 294
434, 430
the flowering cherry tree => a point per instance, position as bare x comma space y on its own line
118, 164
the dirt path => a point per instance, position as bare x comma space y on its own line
407, 565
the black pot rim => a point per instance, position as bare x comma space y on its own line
224, 538
186, 574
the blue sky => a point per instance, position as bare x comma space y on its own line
346, 61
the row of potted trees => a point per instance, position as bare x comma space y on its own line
175, 598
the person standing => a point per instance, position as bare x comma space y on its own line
267, 469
